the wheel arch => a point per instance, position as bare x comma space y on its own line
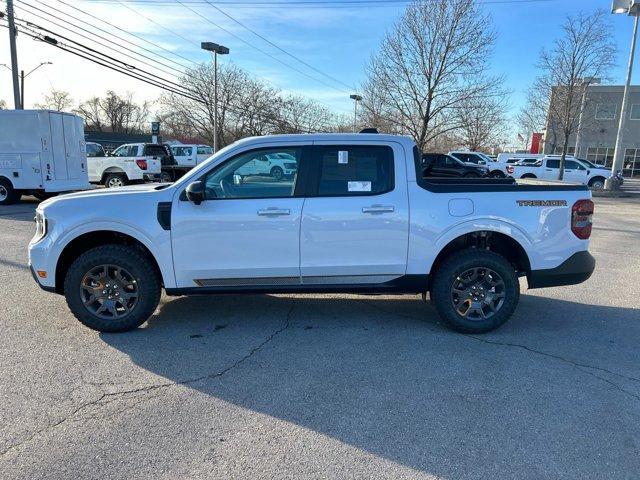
112, 170
88, 239
486, 239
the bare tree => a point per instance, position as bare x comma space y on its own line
115, 113
585, 50
432, 60
533, 115
56, 100
483, 122
246, 106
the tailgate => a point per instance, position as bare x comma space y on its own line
153, 164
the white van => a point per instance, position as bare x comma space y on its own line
42, 152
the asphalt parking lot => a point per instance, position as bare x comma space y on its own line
326, 386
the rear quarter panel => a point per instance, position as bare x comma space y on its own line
543, 231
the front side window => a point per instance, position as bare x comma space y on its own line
572, 165
355, 170
254, 174
202, 150
94, 150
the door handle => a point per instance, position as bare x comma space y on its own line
378, 209
272, 211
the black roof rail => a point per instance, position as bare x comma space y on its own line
369, 130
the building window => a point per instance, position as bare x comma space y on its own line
635, 111
570, 150
605, 111
631, 164
600, 155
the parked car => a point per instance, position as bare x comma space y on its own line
42, 153
547, 169
478, 158
191, 155
358, 217
130, 163
278, 165
95, 150
443, 165
511, 158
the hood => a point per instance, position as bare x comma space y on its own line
102, 194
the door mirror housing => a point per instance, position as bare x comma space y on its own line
195, 192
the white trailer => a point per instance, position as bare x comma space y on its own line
42, 152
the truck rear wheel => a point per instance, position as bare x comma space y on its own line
475, 291
115, 180
8, 194
112, 288
497, 174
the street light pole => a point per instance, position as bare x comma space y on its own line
14, 54
215, 49
356, 99
23, 76
630, 7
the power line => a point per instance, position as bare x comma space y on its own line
93, 36
139, 76
207, 19
280, 48
127, 32
104, 31
320, 3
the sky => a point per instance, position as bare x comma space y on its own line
336, 39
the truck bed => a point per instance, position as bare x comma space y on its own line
509, 184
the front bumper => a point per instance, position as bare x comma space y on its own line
575, 269
46, 288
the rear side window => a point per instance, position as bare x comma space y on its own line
154, 150
355, 170
553, 163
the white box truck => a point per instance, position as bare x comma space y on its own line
42, 153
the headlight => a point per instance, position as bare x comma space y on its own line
41, 226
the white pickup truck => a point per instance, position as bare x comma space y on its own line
130, 163
547, 168
357, 217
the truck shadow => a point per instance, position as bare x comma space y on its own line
382, 375
24, 210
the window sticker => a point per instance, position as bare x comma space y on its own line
359, 186
343, 157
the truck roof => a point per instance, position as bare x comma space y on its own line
344, 137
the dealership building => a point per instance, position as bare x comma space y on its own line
596, 138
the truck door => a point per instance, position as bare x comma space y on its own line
75, 150
355, 222
58, 148
247, 230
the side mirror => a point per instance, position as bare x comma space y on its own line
195, 192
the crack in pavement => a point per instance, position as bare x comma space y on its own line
579, 365
114, 396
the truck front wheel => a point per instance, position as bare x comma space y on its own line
112, 288
475, 291
8, 194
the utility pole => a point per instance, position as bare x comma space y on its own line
23, 76
14, 55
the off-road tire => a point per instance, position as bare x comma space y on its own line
459, 262
9, 194
133, 261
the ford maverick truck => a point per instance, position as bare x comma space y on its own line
356, 215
